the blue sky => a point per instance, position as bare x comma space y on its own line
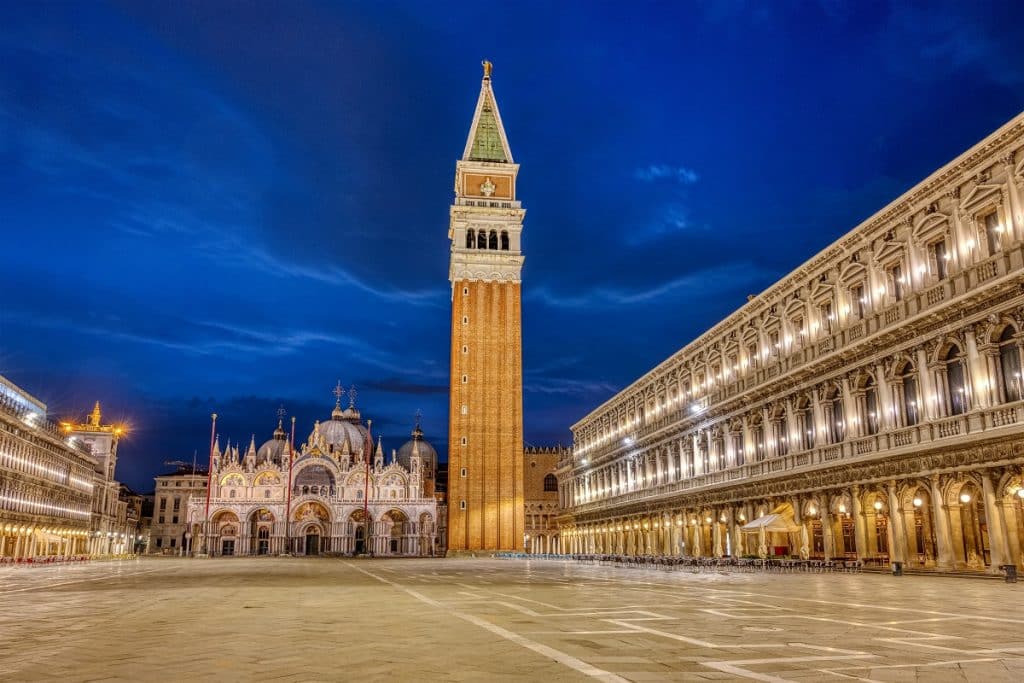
227, 207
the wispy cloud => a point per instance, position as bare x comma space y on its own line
671, 218
654, 172
719, 278
258, 258
213, 339
666, 210
394, 385
568, 387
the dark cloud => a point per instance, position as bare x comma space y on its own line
394, 385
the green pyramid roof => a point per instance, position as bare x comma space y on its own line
487, 140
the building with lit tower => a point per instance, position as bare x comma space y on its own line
866, 406
57, 496
485, 433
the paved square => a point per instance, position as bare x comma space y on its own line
465, 620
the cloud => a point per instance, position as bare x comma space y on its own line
568, 387
655, 172
208, 338
394, 385
256, 257
671, 218
719, 278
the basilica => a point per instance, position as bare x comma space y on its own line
335, 493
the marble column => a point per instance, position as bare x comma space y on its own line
943, 537
996, 528
860, 535
826, 528
898, 545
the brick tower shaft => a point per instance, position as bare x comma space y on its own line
485, 476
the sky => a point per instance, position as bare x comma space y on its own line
229, 207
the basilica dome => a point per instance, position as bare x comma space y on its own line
275, 448
344, 424
428, 455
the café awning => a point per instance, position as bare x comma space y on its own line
773, 522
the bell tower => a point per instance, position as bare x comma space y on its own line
485, 428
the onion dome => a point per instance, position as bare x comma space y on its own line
274, 449
426, 452
344, 425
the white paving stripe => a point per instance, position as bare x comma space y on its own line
561, 657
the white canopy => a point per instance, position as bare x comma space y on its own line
772, 522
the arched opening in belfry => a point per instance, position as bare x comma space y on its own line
481, 240
470, 239
493, 242
504, 240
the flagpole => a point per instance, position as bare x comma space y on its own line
209, 481
366, 493
288, 505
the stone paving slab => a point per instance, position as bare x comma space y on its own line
296, 619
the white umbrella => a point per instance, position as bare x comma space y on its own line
718, 539
762, 543
805, 543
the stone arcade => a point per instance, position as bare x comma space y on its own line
870, 400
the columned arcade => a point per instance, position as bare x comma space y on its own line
868, 405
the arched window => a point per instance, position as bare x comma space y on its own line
493, 242
550, 483
835, 417
780, 433
1009, 364
907, 394
805, 420
481, 240
231, 494
737, 447
757, 431
871, 406
504, 240
470, 239
955, 381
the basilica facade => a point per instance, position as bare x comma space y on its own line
335, 493
867, 406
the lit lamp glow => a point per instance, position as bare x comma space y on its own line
965, 498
